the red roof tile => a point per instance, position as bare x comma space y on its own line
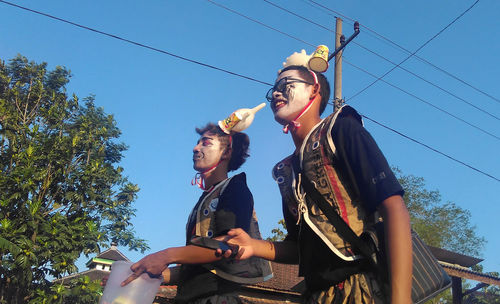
285, 277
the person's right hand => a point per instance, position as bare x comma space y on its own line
153, 264
237, 236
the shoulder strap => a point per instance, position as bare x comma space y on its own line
342, 228
226, 183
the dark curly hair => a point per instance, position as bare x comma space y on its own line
240, 144
324, 91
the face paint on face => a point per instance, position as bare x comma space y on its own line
288, 104
289, 92
207, 152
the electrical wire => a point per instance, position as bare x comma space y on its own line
416, 51
431, 148
219, 69
384, 58
256, 21
297, 15
428, 82
424, 101
136, 43
418, 98
398, 46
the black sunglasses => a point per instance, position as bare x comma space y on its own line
280, 86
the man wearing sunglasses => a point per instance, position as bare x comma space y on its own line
343, 162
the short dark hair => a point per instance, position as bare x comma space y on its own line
324, 91
240, 144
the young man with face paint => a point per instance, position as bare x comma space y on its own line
225, 203
348, 169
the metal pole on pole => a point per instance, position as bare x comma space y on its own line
337, 83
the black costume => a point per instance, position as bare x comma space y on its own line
228, 205
343, 161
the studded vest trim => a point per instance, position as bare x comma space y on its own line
318, 160
250, 271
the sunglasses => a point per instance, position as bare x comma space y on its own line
281, 86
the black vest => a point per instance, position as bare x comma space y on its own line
318, 160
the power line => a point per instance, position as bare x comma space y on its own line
433, 149
428, 82
209, 66
136, 43
384, 58
329, 9
393, 43
421, 47
404, 91
297, 15
424, 101
260, 23
256, 21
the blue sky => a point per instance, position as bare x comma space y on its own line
157, 100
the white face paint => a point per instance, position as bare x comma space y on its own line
207, 152
288, 104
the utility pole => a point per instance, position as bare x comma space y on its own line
337, 82
340, 43
317, 62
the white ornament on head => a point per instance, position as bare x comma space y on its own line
301, 59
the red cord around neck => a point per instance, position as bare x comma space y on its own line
294, 123
199, 177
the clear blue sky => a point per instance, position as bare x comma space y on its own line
157, 100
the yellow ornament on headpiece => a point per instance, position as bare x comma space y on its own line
239, 120
317, 61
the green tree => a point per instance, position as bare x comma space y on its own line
490, 295
430, 215
61, 191
486, 295
278, 233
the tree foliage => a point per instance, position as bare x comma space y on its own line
61, 190
278, 233
439, 224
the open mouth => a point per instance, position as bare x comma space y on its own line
278, 104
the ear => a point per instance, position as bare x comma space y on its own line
315, 91
227, 153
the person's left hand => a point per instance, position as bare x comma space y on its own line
236, 236
152, 264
